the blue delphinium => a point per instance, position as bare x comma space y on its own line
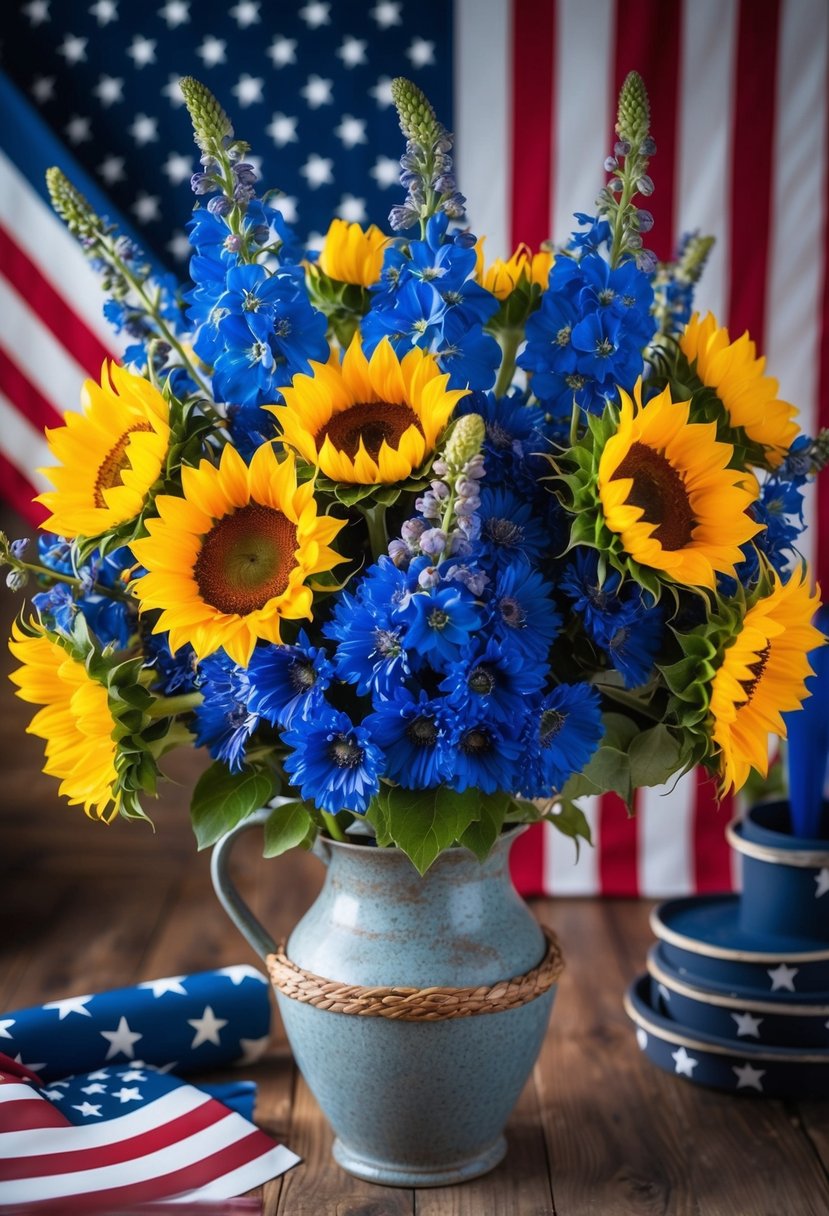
589, 333
334, 763
224, 722
288, 681
563, 731
112, 620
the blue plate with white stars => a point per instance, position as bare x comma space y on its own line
783, 1019
702, 939
737, 1067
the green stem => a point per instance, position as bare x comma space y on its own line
177, 736
332, 825
56, 577
378, 539
630, 702
509, 342
168, 707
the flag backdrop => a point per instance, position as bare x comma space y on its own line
739, 99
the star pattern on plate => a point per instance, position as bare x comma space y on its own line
749, 1077
822, 881
747, 1024
782, 978
684, 1064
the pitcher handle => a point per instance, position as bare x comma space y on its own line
248, 925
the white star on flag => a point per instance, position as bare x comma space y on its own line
179, 168
245, 13
253, 1049
746, 1024
421, 52
147, 207
88, 1109
78, 129
685, 1064
133, 1074
822, 880
122, 1040
172, 91
112, 169
207, 1028
95, 1088
175, 13
43, 88
351, 131
142, 51
282, 51
144, 129
100, 1074
317, 170
748, 1077
317, 91
172, 983
73, 49
315, 14
353, 52
109, 89
381, 92
70, 1004
5, 1023
179, 245
241, 972
352, 209
386, 172
386, 13
104, 11
127, 1095
782, 977
248, 89
212, 51
37, 11
18, 1059
282, 130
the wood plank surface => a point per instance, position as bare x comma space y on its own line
598, 1130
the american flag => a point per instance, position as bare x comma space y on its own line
739, 98
122, 1136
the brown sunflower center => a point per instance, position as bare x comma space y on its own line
372, 422
658, 489
246, 559
114, 463
756, 668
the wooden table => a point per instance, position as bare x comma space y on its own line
598, 1129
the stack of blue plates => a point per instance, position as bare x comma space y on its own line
729, 1004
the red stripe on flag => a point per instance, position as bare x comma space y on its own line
24, 1115
52, 309
751, 166
533, 35
618, 848
526, 861
40, 1165
28, 399
822, 521
19, 491
647, 41
712, 857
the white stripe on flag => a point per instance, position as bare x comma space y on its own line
13, 1092
177, 1155
54, 250
23, 445
245, 1177
174, 1105
799, 201
483, 41
36, 350
583, 105
563, 875
665, 831
703, 167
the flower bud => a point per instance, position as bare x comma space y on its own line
465, 441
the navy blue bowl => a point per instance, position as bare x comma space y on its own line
703, 936
785, 878
708, 1059
794, 1022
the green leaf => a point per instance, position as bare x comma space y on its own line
222, 799
287, 827
655, 755
610, 770
377, 815
571, 821
482, 833
424, 822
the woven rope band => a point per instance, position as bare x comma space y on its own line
415, 1004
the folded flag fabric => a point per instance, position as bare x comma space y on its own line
124, 1135
181, 1023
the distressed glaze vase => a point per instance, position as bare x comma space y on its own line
411, 1103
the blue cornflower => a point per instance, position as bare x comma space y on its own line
370, 652
224, 722
175, 673
510, 528
288, 681
634, 646
524, 615
565, 729
440, 623
486, 756
492, 681
333, 762
415, 735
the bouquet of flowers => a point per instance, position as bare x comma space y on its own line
409, 542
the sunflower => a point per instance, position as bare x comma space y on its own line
762, 675
230, 559
735, 374
370, 422
665, 488
502, 277
351, 255
75, 720
110, 455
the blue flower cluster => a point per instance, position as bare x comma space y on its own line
428, 297
255, 327
113, 620
589, 333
